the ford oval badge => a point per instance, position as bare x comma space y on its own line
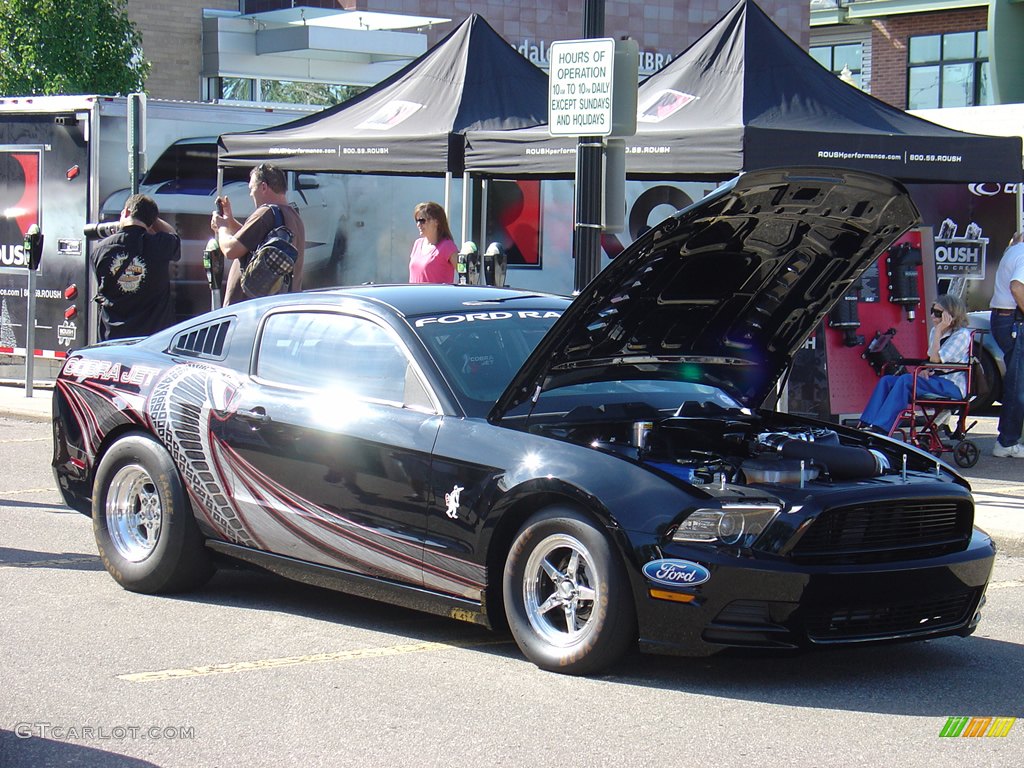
676, 573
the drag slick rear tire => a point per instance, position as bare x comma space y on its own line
142, 520
567, 596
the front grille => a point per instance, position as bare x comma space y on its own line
886, 531
889, 620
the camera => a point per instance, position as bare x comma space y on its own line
100, 229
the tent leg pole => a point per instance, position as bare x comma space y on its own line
447, 192
1020, 207
484, 193
465, 206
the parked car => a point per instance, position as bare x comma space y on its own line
593, 473
991, 358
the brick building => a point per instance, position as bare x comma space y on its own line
912, 54
205, 49
920, 55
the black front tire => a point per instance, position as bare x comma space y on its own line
567, 597
142, 520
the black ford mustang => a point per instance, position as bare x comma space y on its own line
594, 473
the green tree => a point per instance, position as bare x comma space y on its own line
52, 47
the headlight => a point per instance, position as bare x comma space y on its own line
733, 524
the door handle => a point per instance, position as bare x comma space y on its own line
257, 415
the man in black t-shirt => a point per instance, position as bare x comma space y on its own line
133, 272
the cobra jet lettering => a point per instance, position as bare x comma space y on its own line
86, 369
113, 373
139, 375
472, 317
104, 370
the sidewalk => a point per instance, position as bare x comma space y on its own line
998, 484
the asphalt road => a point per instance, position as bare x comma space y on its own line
255, 671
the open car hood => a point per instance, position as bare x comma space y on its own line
725, 291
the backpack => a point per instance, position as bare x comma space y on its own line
270, 267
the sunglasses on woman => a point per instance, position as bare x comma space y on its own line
422, 221
936, 312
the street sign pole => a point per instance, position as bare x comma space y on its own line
30, 334
589, 154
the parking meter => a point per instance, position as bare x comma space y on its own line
213, 263
33, 247
495, 265
467, 252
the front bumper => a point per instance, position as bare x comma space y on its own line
751, 602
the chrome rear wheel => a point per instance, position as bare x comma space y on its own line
134, 513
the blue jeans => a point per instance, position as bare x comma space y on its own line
892, 395
1011, 416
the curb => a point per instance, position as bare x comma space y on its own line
26, 416
15, 404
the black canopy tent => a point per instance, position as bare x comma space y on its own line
413, 122
745, 96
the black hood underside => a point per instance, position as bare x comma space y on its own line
726, 291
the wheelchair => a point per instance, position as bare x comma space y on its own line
939, 425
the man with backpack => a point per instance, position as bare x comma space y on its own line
246, 245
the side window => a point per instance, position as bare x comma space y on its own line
326, 351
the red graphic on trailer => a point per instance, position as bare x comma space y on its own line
19, 203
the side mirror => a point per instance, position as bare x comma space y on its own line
307, 181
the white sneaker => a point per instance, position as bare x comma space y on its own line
1015, 451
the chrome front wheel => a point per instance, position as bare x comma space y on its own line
567, 598
561, 589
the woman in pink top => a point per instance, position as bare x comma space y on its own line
434, 254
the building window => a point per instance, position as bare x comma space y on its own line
839, 58
284, 91
949, 70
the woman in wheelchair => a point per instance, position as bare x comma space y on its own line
949, 341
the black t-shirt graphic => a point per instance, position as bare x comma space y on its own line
133, 273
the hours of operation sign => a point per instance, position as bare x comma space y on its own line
580, 87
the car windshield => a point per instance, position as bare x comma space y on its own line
479, 352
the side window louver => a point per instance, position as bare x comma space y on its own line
206, 341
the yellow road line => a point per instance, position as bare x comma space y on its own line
292, 661
25, 440
17, 491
